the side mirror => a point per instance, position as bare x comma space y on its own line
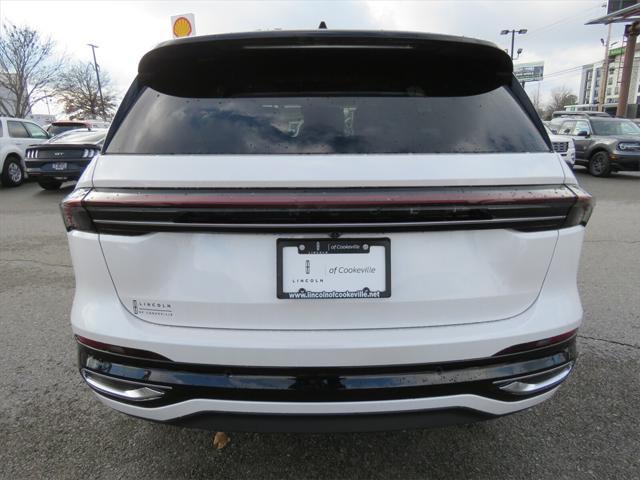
583, 133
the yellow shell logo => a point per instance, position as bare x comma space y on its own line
181, 27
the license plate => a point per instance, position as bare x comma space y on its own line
59, 166
334, 269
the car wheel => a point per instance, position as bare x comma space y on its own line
49, 184
12, 174
599, 164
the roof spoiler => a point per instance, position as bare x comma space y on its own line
319, 62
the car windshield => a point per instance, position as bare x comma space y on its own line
81, 136
614, 127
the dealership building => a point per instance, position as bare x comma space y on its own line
592, 75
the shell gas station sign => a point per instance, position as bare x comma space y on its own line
183, 25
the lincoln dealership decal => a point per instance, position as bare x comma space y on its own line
151, 309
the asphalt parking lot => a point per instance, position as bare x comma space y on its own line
51, 426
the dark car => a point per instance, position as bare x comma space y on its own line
579, 113
56, 128
64, 157
560, 116
604, 145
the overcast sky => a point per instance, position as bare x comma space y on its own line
125, 30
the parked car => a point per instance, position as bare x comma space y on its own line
15, 135
64, 157
56, 128
564, 146
604, 145
270, 246
581, 113
560, 116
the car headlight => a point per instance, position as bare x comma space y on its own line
629, 146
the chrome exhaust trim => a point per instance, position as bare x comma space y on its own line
537, 382
125, 389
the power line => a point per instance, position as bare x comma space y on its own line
562, 20
566, 71
573, 69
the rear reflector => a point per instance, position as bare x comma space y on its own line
545, 342
140, 211
129, 352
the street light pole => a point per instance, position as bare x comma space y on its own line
513, 38
513, 32
605, 73
95, 65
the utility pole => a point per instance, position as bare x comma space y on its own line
95, 65
605, 73
631, 32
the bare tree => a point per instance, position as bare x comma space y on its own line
29, 69
537, 104
560, 98
79, 95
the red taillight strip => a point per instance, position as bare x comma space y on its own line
330, 197
140, 211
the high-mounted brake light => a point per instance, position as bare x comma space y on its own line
74, 215
582, 209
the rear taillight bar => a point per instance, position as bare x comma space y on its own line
139, 211
328, 197
581, 210
74, 215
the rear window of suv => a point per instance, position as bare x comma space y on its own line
490, 122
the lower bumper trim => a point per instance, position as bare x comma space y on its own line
368, 422
183, 382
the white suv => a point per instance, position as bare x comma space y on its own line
16, 134
564, 146
325, 230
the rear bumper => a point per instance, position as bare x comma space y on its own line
46, 171
62, 175
326, 399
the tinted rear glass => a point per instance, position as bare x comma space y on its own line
58, 129
484, 123
80, 137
